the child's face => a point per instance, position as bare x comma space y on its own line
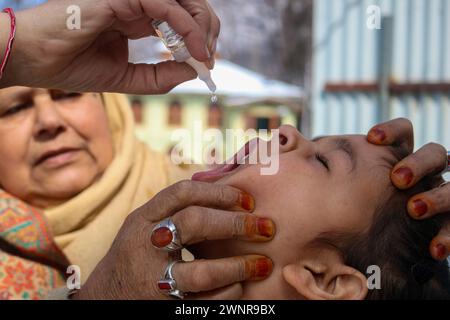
307, 200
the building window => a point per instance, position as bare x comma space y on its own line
215, 115
263, 123
274, 122
175, 113
137, 107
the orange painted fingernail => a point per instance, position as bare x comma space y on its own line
441, 251
246, 201
161, 237
258, 228
405, 175
263, 267
265, 227
378, 134
419, 207
259, 268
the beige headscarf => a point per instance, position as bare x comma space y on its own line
85, 226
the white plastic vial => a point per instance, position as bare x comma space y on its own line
175, 43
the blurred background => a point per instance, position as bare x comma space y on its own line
314, 64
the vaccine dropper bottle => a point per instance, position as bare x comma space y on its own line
175, 43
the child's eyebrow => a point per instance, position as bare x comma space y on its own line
345, 145
397, 154
399, 151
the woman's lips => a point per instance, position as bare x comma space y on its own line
58, 158
224, 169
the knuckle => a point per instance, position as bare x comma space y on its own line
130, 222
190, 217
129, 219
190, 222
240, 264
440, 199
221, 194
225, 195
181, 190
239, 225
202, 277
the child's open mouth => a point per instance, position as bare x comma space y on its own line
229, 166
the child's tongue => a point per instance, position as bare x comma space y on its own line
214, 174
217, 173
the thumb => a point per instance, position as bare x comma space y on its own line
157, 78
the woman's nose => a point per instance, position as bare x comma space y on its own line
290, 138
48, 123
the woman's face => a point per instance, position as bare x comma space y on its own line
331, 184
53, 144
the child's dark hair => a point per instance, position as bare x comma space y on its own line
399, 245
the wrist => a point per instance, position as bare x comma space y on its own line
16, 65
5, 27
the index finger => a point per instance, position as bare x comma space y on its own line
195, 193
209, 22
182, 22
200, 12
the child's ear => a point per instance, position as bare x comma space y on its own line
315, 280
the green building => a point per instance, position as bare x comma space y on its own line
246, 100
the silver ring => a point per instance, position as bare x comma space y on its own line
168, 284
175, 244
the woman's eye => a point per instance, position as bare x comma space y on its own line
65, 95
17, 109
322, 160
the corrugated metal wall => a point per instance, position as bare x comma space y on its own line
347, 51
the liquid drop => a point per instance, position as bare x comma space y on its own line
214, 99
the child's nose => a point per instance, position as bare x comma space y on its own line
290, 138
